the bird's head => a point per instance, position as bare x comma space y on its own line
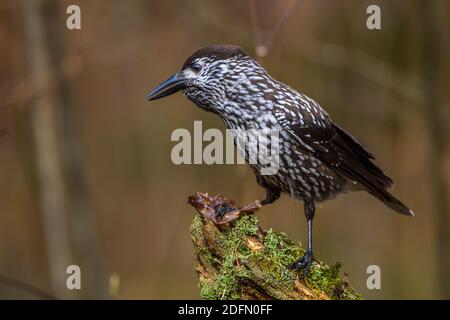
210, 76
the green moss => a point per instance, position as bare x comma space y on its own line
272, 258
280, 248
196, 225
327, 279
231, 241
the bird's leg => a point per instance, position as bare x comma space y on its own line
271, 196
304, 263
226, 212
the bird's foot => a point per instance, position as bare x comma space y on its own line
303, 263
225, 212
218, 209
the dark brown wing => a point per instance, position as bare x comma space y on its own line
311, 127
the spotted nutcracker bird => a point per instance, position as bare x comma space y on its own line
317, 158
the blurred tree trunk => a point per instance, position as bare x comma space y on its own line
48, 162
66, 204
66, 54
430, 63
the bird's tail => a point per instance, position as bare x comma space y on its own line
357, 166
392, 202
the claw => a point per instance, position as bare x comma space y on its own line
303, 263
223, 209
218, 209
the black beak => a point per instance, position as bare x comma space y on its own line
174, 84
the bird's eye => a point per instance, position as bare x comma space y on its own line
196, 68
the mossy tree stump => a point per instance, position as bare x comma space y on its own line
239, 260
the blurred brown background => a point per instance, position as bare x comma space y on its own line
86, 175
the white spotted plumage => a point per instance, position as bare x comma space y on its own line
318, 159
244, 96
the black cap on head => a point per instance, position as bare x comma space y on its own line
179, 81
215, 51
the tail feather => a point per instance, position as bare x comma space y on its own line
357, 166
356, 173
392, 202
360, 156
